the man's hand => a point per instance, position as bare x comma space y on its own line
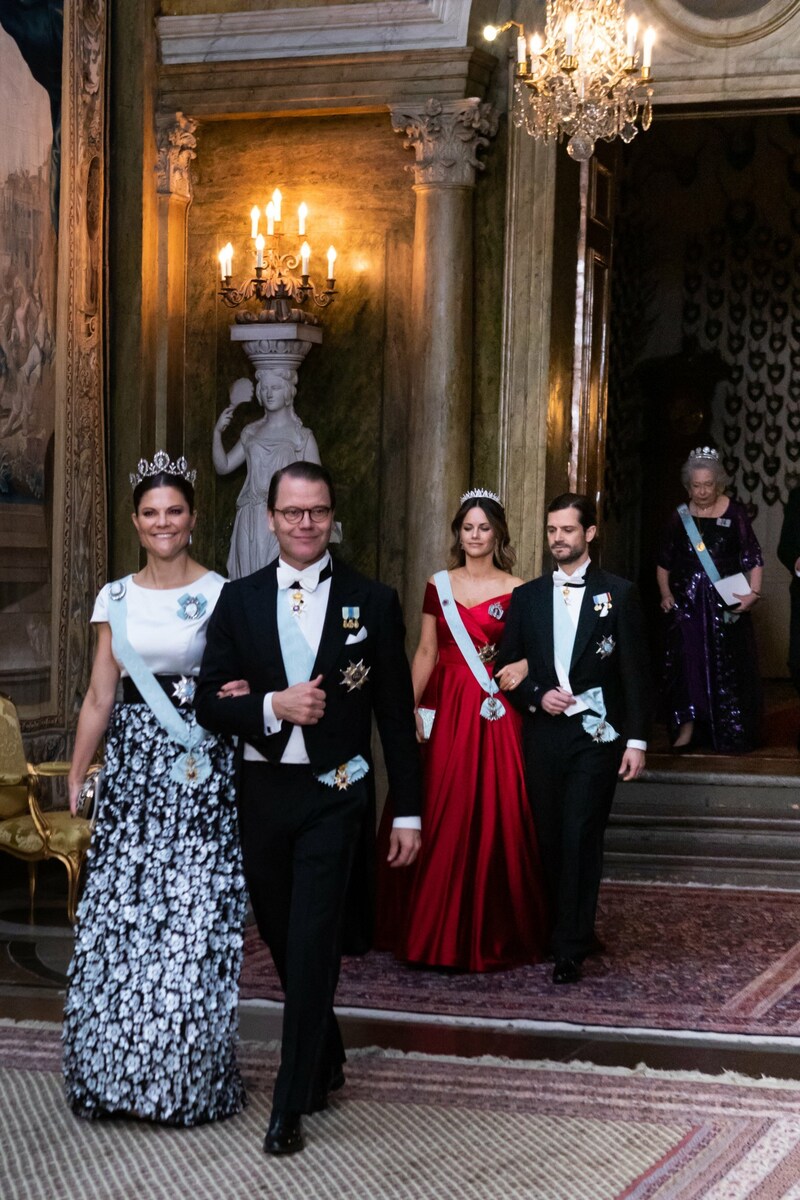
404, 847
632, 764
556, 701
302, 704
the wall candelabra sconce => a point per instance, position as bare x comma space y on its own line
282, 282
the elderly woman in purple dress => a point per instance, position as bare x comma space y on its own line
711, 684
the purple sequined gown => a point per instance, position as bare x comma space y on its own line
711, 667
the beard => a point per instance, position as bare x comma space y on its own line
565, 554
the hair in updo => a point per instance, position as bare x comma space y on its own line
164, 479
713, 465
503, 555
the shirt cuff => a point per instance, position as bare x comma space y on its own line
635, 744
407, 823
272, 724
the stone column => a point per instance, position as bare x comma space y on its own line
176, 143
445, 136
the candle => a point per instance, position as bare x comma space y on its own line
522, 53
228, 259
270, 211
305, 255
260, 250
633, 29
536, 45
221, 256
569, 30
302, 213
255, 213
647, 52
276, 200
331, 261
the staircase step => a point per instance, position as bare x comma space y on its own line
727, 826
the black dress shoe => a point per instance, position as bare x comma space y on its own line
285, 1133
566, 970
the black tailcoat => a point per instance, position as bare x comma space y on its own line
571, 779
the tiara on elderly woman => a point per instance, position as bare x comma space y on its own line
162, 465
707, 452
481, 494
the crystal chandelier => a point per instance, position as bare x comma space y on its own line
586, 79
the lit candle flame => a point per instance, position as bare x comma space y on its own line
331, 261
305, 255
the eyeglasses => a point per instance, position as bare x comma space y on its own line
293, 516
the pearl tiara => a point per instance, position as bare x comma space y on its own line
707, 452
481, 494
162, 465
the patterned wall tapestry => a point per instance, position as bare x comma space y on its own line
742, 299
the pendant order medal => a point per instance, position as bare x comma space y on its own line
298, 601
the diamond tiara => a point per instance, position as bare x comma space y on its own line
707, 452
162, 465
481, 494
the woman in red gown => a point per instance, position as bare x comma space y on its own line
476, 902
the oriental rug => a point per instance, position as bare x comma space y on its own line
414, 1127
691, 958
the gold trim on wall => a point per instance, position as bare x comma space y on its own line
79, 524
740, 31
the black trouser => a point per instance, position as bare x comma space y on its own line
298, 841
571, 782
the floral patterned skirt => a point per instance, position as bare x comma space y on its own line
151, 1017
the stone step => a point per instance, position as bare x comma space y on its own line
733, 827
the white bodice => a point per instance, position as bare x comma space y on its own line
167, 625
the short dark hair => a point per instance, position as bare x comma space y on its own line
586, 508
310, 471
503, 556
163, 479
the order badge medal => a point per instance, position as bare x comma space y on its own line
351, 617
354, 675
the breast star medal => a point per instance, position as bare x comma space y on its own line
183, 689
605, 646
354, 675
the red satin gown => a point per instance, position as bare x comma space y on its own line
477, 902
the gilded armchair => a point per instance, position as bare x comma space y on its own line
26, 830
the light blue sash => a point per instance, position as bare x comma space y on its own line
492, 708
598, 728
194, 766
298, 662
706, 561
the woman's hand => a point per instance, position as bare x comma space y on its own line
236, 687
746, 602
512, 674
225, 418
667, 602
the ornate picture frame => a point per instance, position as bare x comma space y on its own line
71, 537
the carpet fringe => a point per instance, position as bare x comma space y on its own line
640, 1071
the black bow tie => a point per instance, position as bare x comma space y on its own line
565, 584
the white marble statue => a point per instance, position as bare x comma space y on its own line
275, 440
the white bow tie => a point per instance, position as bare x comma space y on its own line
288, 577
562, 579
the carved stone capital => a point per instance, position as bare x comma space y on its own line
176, 149
446, 136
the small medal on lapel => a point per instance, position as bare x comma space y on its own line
354, 675
602, 603
351, 617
